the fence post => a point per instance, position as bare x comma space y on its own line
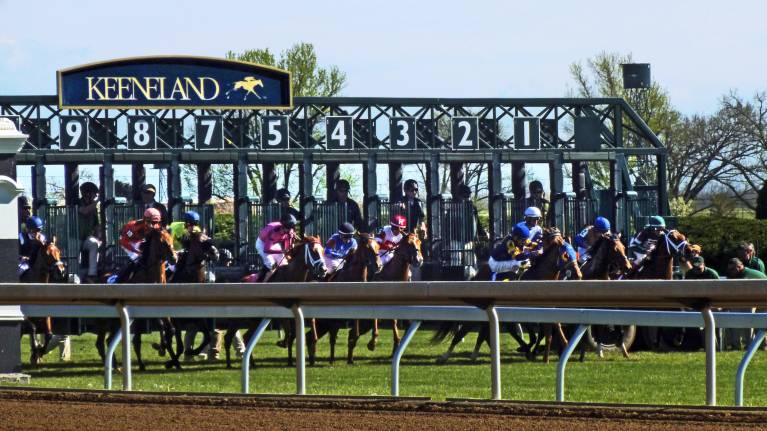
562, 364
125, 323
395, 360
710, 325
300, 347
495, 352
739, 377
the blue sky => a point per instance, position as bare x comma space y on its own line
698, 50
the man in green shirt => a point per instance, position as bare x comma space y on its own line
747, 254
699, 271
737, 270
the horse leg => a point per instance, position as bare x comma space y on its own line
333, 336
518, 336
354, 335
137, 349
311, 339
47, 337
168, 334
548, 333
374, 336
457, 338
290, 336
33, 348
396, 338
228, 337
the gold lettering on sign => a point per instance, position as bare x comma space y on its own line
151, 88
178, 88
93, 88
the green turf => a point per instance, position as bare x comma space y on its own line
657, 378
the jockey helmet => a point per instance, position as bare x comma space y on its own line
24, 202
602, 224
34, 222
410, 184
346, 229
282, 195
191, 217
288, 221
342, 185
533, 212
520, 231
655, 221
398, 221
148, 188
88, 187
152, 214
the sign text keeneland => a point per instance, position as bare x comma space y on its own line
159, 88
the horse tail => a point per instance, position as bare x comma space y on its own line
445, 329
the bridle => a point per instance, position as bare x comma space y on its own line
318, 264
670, 244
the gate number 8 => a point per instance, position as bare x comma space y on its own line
141, 133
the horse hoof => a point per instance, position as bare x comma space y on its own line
282, 344
168, 365
372, 344
142, 367
228, 366
160, 348
442, 359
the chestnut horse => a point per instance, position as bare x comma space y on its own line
45, 266
360, 265
305, 263
406, 253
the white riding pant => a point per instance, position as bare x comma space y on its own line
132, 255
91, 246
501, 266
270, 260
332, 263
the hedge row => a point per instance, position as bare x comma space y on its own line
720, 235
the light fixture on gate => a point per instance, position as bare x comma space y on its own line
636, 75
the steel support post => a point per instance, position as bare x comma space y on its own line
300, 350
249, 351
740, 376
107, 193
108, 358
204, 182
138, 179
39, 186
710, 336
662, 192
518, 180
241, 207
495, 352
332, 175
370, 186
395, 360
125, 323
174, 188
306, 189
562, 364
457, 177
495, 205
616, 189
433, 202
71, 183
268, 182
395, 181
556, 214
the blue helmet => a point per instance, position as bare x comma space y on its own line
191, 217
601, 223
34, 222
520, 231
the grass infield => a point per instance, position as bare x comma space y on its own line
645, 378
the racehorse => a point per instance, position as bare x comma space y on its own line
360, 265
157, 249
193, 267
46, 266
608, 262
305, 263
406, 253
544, 267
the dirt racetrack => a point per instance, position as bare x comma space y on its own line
80, 410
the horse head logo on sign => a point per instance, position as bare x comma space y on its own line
174, 83
249, 84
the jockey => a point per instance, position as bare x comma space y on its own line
532, 221
589, 236
133, 233
390, 236
512, 252
339, 246
182, 229
274, 241
641, 244
567, 253
27, 255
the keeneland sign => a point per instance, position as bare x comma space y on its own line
174, 82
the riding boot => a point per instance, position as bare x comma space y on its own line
262, 274
127, 272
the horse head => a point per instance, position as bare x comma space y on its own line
410, 249
53, 262
158, 248
369, 248
617, 261
313, 256
675, 243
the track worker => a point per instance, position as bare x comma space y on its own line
353, 213
390, 236
700, 271
274, 240
34, 226
746, 253
339, 247
131, 237
589, 236
148, 192
512, 253
89, 225
644, 241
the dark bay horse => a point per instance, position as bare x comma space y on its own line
407, 253
544, 267
305, 263
45, 267
193, 267
361, 265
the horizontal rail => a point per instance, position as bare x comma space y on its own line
650, 293
680, 319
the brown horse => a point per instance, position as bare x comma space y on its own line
305, 263
360, 265
608, 262
157, 249
407, 253
45, 266
659, 262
